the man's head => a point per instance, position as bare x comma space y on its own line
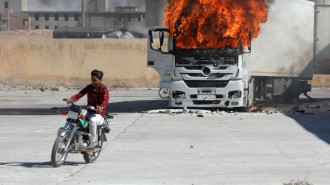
96, 78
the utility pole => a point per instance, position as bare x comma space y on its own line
83, 12
8, 20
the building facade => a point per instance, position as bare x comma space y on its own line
11, 16
52, 20
14, 15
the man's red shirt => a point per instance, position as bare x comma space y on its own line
95, 97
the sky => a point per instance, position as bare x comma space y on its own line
75, 5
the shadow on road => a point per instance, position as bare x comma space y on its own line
317, 124
136, 106
39, 164
117, 107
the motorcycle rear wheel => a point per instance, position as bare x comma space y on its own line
58, 153
92, 158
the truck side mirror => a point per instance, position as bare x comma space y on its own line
161, 39
151, 39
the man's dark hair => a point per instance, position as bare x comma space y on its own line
97, 73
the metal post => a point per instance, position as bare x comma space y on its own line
8, 21
83, 12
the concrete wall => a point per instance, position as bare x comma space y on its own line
68, 62
50, 62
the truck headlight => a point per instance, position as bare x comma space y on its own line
234, 94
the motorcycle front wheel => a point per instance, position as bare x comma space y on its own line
96, 153
58, 153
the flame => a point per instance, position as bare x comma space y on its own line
214, 23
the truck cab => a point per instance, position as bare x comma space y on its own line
199, 77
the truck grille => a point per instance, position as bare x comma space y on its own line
205, 83
206, 102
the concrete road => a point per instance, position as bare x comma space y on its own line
225, 148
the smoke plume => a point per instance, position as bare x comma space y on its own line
134, 3
54, 5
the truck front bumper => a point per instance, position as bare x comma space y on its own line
230, 96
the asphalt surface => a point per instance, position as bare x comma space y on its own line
268, 147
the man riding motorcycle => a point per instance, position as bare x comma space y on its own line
97, 96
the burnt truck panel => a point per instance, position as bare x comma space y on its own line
285, 43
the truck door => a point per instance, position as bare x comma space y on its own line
322, 37
160, 55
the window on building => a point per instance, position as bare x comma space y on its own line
4, 23
56, 17
66, 17
36, 17
140, 18
119, 18
46, 17
129, 19
47, 27
56, 27
25, 22
75, 17
6, 4
36, 27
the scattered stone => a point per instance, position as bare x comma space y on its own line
185, 110
222, 113
253, 109
191, 146
200, 115
42, 89
241, 117
168, 111
298, 183
55, 89
325, 104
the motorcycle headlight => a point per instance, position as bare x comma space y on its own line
72, 115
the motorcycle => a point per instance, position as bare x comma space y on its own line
74, 137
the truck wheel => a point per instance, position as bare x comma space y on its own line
164, 93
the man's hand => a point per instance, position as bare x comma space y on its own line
99, 108
66, 99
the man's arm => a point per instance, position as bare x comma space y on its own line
80, 94
105, 101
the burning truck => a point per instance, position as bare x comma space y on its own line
232, 53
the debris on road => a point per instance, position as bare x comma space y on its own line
178, 111
253, 109
185, 110
298, 183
